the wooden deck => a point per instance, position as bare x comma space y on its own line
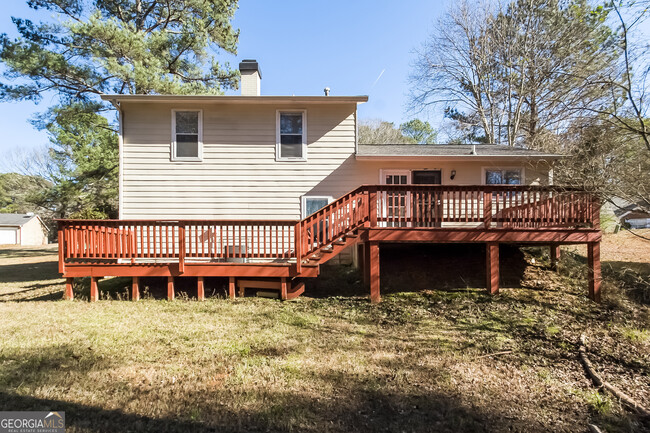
288, 251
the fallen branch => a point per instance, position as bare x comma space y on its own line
505, 352
594, 429
600, 383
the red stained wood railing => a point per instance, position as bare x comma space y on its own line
333, 221
388, 206
486, 206
117, 241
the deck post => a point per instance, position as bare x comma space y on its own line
555, 255
595, 277
94, 289
283, 288
135, 289
61, 242
375, 295
297, 239
170, 288
200, 289
492, 267
372, 205
181, 248
487, 209
231, 287
69, 295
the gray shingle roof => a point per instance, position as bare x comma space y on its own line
14, 219
447, 150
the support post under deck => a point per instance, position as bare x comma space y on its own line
200, 289
170, 288
94, 289
375, 295
69, 295
135, 289
595, 277
492, 267
555, 255
231, 287
283, 289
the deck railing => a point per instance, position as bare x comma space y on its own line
387, 206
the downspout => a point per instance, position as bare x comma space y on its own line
120, 145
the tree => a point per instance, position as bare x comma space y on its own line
421, 132
16, 191
516, 71
109, 46
629, 82
121, 46
381, 132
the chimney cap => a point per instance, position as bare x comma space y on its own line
250, 65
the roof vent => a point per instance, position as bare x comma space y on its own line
251, 75
30, 214
473, 151
327, 91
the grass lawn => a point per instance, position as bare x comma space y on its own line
425, 359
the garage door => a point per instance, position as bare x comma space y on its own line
8, 236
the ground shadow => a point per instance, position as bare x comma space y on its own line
417, 267
21, 272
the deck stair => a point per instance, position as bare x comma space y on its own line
329, 251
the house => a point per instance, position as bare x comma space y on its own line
22, 229
264, 189
632, 215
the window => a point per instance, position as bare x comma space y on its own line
509, 176
187, 135
312, 204
291, 136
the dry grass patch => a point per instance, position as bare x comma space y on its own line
416, 362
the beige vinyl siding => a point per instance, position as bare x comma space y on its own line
239, 177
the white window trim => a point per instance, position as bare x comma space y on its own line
175, 158
304, 198
304, 135
399, 172
521, 169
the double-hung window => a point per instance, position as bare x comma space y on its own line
187, 135
509, 176
291, 136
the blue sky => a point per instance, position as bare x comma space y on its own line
353, 47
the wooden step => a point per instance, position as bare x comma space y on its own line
338, 243
309, 264
316, 257
327, 250
351, 235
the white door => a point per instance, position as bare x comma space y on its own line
395, 209
8, 236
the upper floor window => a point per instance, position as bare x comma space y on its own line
509, 176
187, 135
291, 136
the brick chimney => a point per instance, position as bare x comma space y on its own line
250, 77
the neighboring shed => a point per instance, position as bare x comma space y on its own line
22, 229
